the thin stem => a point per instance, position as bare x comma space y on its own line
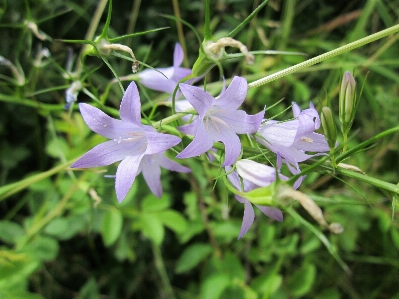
162, 272
92, 30
330, 54
180, 32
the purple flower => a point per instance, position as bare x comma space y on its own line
150, 166
219, 120
253, 175
167, 78
130, 142
292, 139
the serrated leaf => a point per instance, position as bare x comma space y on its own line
192, 256
111, 226
152, 228
173, 220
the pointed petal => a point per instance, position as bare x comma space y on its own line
159, 81
158, 142
232, 147
125, 175
274, 213
178, 55
197, 97
152, 174
278, 133
107, 153
202, 142
104, 125
239, 121
313, 142
180, 73
171, 165
248, 219
190, 129
295, 109
291, 154
234, 95
130, 110
259, 174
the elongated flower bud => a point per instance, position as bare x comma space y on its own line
347, 102
330, 130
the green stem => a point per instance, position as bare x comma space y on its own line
330, 54
364, 144
162, 272
207, 29
369, 180
92, 30
10, 189
321, 237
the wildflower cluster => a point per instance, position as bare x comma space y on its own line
141, 148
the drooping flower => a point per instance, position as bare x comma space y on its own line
292, 139
219, 120
129, 142
167, 78
254, 175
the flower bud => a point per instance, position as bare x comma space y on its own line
347, 102
330, 130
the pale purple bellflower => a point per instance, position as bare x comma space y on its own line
253, 175
167, 78
130, 142
292, 139
219, 120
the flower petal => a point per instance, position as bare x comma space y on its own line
107, 153
274, 213
278, 133
171, 165
152, 174
158, 142
202, 142
232, 147
234, 95
178, 55
259, 174
125, 175
130, 110
313, 142
190, 129
197, 97
248, 218
159, 81
104, 125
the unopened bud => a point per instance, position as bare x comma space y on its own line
347, 102
330, 130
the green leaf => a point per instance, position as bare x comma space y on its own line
173, 220
192, 256
10, 232
111, 226
15, 274
153, 204
89, 290
267, 284
152, 228
42, 248
213, 286
301, 282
